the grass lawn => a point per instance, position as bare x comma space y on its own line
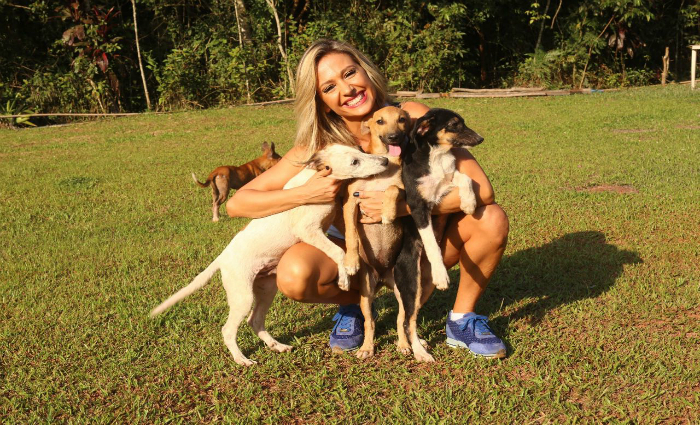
597, 296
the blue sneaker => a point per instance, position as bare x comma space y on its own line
473, 332
349, 330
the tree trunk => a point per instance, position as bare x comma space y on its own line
138, 53
244, 31
280, 46
664, 74
241, 23
539, 37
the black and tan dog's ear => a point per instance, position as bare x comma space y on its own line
364, 127
424, 125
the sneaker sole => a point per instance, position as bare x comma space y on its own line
338, 350
459, 344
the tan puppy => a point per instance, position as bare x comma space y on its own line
372, 248
229, 177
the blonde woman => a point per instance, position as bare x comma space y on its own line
338, 88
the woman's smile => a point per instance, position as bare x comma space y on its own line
356, 101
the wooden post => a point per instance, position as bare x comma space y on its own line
664, 74
693, 64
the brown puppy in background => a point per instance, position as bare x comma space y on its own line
372, 248
229, 177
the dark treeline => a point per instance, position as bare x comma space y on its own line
81, 56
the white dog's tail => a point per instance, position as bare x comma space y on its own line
198, 283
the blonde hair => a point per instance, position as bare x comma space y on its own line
315, 127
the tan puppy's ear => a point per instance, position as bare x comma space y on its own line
364, 128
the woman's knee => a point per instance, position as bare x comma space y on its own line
293, 279
494, 224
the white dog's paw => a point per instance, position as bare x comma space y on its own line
278, 347
468, 203
244, 361
441, 279
343, 281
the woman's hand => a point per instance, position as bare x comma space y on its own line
321, 189
370, 203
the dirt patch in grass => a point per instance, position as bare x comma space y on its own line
688, 127
632, 130
616, 188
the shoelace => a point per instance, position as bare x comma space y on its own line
345, 321
480, 324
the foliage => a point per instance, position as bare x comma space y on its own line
79, 55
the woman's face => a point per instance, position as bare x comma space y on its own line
344, 87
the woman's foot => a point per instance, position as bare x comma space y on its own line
349, 330
473, 333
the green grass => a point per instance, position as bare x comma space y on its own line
597, 296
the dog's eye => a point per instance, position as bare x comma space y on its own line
402, 120
355, 162
380, 121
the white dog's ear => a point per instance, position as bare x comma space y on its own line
316, 162
364, 128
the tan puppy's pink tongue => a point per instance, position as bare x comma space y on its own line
394, 150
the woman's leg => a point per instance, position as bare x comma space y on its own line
306, 274
477, 243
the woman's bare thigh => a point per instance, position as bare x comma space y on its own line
307, 274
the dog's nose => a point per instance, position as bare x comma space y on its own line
479, 140
393, 137
384, 161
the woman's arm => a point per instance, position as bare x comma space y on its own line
264, 196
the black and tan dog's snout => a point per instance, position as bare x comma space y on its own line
468, 138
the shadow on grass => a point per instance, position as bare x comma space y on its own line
573, 267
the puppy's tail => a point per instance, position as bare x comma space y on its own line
205, 184
202, 279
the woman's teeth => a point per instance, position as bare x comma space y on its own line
354, 102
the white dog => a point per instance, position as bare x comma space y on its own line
259, 246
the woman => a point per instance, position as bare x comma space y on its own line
338, 88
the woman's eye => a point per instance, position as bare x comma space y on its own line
350, 73
328, 88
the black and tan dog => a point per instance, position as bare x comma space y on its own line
372, 248
228, 177
429, 173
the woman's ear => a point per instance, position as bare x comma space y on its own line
326, 108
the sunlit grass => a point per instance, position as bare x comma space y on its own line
597, 296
